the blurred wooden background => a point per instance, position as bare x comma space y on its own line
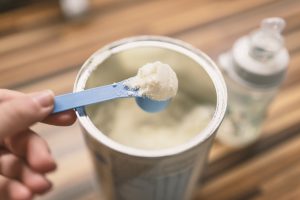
40, 49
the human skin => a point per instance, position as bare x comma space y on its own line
25, 158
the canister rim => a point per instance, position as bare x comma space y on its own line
173, 44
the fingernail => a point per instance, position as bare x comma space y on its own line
44, 98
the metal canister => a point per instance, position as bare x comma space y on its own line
166, 174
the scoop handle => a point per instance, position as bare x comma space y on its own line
91, 96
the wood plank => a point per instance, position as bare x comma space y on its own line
293, 71
41, 53
29, 37
293, 195
203, 14
281, 184
28, 16
59, 84
214, 33
23, 40
41, 13
68, 40
121, 17
250, 175
113, 19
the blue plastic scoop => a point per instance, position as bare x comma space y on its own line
105, 93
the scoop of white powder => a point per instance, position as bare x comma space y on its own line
155, 80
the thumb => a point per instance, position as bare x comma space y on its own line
20, 113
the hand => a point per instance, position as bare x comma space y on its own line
24, 156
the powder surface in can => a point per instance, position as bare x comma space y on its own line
171, 127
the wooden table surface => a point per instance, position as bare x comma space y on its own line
39, 49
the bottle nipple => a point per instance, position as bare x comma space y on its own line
267, 41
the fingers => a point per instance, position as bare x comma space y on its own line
15, 168
20, 113
9, 94
13, 190
33, 149
61, 119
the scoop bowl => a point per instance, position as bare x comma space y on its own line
151, 106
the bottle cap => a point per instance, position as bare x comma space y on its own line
261, 58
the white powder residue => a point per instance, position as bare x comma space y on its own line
124, 122
145, 132
155, 80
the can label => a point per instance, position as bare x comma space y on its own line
137, 179
170, 187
